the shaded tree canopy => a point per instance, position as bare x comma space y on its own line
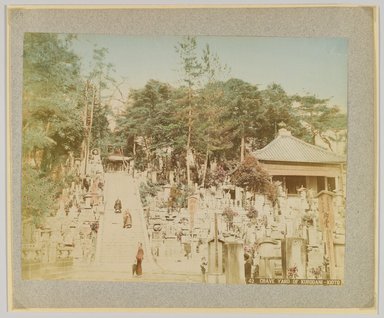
52, 113
53, 118
252, 176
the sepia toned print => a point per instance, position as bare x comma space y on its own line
184, 159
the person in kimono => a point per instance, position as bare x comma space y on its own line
139, 259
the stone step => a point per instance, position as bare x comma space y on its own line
118, 244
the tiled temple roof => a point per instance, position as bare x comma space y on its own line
287, 148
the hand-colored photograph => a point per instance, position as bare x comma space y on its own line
191, 159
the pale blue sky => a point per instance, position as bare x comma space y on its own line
301, 65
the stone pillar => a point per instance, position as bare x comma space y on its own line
171, 177
289, 226
166, 192
234, 263
154, 176
193, 204
327, 225
339, 248
215, 262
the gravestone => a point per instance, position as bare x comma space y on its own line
166, 192
193, 204
315, 261
215, 256
234, 263
294, 256
313, 236
88, 200
171, 247
269, 253
153, 176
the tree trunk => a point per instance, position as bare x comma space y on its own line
205, 167
189, 136
242, 148
134, 156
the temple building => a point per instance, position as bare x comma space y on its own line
297, 164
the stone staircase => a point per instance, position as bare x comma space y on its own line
117, 246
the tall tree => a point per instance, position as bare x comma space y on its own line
278, 112
51, 90
99, 97
191, 75
152, 121
198, 69
52, 118
211, 133
319, 117
244, 107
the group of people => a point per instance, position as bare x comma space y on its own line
127, 223
127, 217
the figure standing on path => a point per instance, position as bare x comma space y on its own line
203, 267
139, 259
127, 219
117, 206
247, 268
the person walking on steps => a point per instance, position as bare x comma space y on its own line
139, 259
127, 219
118, 206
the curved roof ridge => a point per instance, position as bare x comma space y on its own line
316, 147
269, 145
292, 149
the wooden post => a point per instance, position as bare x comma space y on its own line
88, 123
327, 224
216, 245
192, 208
242, 149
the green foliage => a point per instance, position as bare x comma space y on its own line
251, 176
51, 93
178, 197
147, 190
318, 116
52, 119
154, 116
279, 110
38, 195
53, 114
252, 213
49, 66
228, 215
215, 177
101, 134
191, 66
212, 132
242, 111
